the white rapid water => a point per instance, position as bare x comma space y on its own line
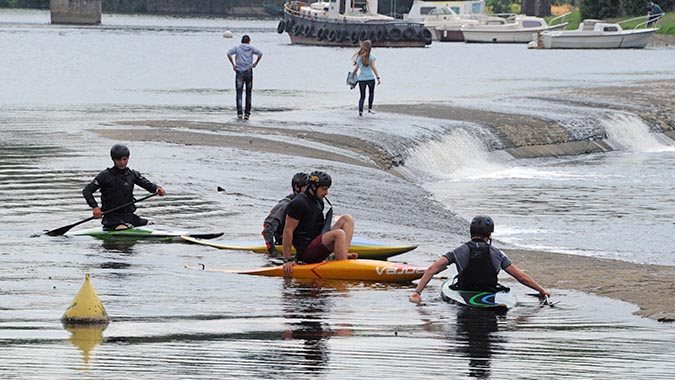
459, 154
598, 205
629, 133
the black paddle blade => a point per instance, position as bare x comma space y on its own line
60, 231
220, 189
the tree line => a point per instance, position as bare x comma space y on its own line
598, 9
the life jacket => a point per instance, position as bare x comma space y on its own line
480, 273
311, 225
118, 189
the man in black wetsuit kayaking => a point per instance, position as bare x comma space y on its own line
478, 263
273, 227
310, 232
117, 188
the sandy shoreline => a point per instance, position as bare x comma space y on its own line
648, 286
651, 287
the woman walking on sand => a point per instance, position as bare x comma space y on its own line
364, 64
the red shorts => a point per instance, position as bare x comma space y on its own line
315, 252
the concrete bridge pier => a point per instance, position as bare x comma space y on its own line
82, 12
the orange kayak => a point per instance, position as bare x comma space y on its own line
359, 270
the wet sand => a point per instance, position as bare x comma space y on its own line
651, 287
648, 286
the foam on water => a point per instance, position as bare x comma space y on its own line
627, 132
459, 154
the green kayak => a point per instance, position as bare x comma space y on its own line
153, 232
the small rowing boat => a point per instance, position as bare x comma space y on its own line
357, 270
483, 299
154, 232
367, 249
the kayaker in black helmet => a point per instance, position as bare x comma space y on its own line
309, 231
478, 263
273, 227
117, 188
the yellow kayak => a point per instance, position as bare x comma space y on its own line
367, 249
358, 270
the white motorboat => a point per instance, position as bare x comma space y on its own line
520, 29
445, 24
464, 9
595, 34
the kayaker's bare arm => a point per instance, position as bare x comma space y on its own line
377, 75
234, 65
436, 267
526, 280
289, 227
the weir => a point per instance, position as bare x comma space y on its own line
459, 154
78, 12
627, 132
464, 153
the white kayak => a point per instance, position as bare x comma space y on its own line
482, 299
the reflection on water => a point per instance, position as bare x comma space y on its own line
86, 338
305, 306
476, 332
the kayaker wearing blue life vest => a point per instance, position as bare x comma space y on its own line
273, 227
117, 188
310, 232
478, 263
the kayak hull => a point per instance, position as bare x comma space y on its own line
355, 270
145, 232
367, 249
478, 299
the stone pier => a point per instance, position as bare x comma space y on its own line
82, 12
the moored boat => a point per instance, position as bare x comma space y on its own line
464, 9
595, 34
356, 270
445, 25
520, 29
346, 22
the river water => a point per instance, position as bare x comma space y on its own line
60, 84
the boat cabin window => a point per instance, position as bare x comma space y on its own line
475, 8
426, 10
442, 11
531, 24
610, 29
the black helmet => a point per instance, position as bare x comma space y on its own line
299, 180
118, 151
482, 225
319, 179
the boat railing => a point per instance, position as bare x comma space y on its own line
559, 19
644, 23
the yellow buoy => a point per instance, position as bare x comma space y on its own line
86, 307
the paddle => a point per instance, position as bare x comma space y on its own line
220, 189
546, 301
62, 230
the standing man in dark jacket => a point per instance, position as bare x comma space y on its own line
117, 188
273, 228
243, 65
